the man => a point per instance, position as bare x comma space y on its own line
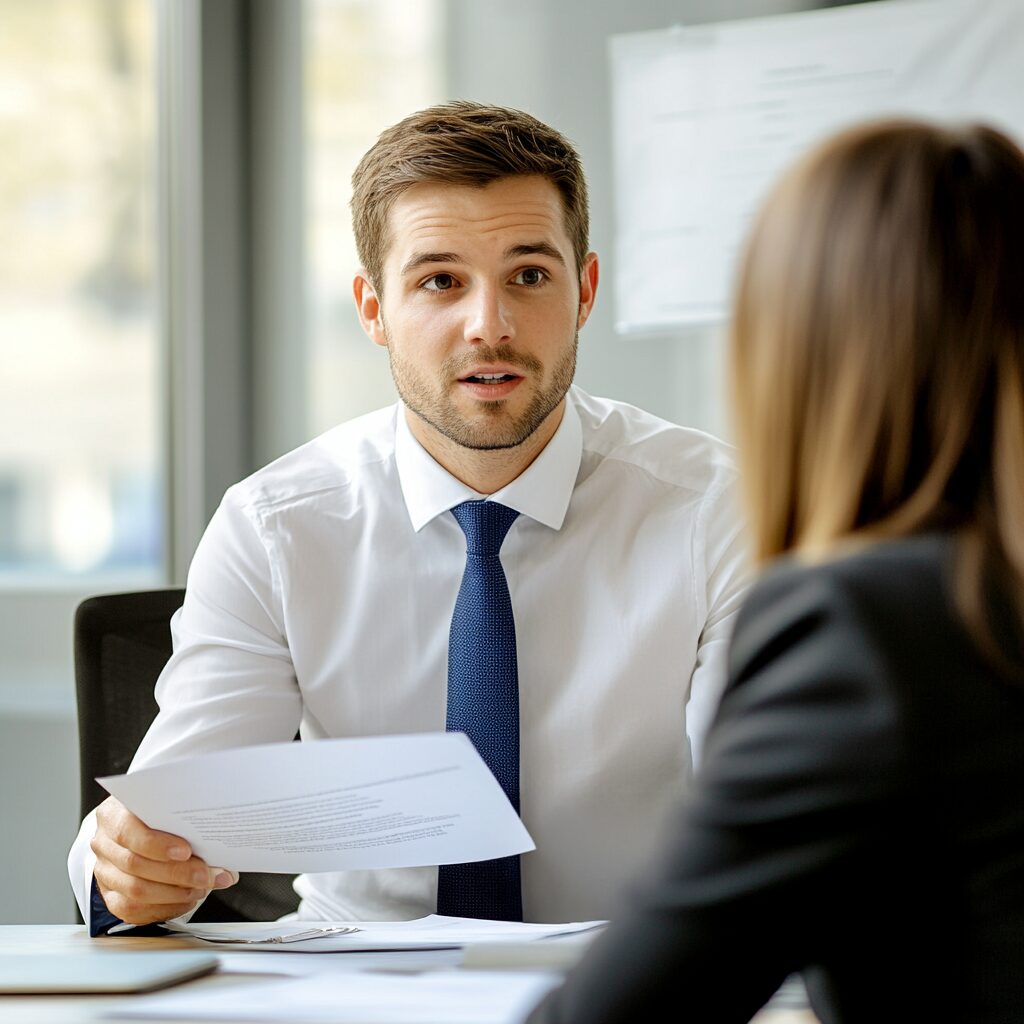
322, 593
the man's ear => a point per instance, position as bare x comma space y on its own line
588, 288
368, 307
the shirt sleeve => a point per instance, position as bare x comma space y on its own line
230, 681
720, 545
101, 920
790, 803
81, 862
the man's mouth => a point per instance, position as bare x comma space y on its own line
489, 378
495, 385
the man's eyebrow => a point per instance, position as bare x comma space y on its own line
418, 259
534, 249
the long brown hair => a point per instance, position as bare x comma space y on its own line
877, 351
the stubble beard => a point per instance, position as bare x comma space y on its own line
493, 429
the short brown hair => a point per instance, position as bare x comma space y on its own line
462, 143
877, 349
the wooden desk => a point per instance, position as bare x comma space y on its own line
77, 1009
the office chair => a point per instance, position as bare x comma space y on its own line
122, 642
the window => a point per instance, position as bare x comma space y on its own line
82, 441
80, 403
368, 63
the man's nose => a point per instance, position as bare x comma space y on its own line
488, 318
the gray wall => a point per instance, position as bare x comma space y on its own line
551, 58
38, 757
39, 797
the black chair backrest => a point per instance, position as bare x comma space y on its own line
122, 642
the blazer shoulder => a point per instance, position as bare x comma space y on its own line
864, 600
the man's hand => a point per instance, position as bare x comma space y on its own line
146, 876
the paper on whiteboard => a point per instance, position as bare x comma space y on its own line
331, 805
705, 118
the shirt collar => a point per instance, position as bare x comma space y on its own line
541, 492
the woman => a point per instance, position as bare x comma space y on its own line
860, 809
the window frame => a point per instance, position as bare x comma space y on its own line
204, 197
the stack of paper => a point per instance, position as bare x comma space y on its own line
363, 997
432, 932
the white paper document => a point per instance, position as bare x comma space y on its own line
331, 805
432, 932
363, 997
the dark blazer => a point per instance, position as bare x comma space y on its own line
859, 816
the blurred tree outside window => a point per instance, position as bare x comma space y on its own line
81, 438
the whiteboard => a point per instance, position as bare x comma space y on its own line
705, 118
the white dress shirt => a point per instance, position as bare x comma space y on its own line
321, 594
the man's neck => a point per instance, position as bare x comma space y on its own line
485, 470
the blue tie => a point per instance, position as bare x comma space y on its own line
483, 702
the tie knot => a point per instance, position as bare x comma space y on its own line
485, 524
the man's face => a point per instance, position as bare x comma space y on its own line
480, 309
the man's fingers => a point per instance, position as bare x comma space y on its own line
114, 882
224, 878
193, 874
144, 911
138, 901
144, 875
114, 820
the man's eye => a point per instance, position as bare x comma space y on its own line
531, 277
439, 283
